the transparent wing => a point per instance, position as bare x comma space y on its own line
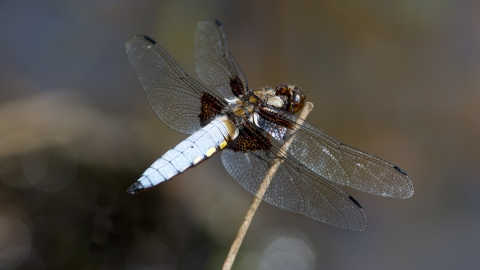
342, 164
173, 95
295, 188
214, 63
348, 166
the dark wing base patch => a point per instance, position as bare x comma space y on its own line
210, 108
250, 139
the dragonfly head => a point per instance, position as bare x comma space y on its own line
295, 98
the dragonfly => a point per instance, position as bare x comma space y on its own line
249, 126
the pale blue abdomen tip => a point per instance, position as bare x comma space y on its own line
135, 188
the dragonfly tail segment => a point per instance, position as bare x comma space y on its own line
135, 188
199, 146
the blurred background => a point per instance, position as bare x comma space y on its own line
398, 79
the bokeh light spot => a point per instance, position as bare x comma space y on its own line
15, 242
50, 163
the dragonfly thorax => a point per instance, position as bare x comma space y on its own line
240, 108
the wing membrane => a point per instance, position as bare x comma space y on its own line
349, 166
174, 96
214, 63
295, 188
343, 164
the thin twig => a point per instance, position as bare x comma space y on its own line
242, 231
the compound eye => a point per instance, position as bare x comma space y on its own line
298, 100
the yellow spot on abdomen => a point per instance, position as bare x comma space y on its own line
210, 151
223, 144
197, 160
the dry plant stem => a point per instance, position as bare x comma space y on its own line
242, 231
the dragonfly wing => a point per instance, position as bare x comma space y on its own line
174, 96
295, 188
338, 162
349, 166
214, 63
